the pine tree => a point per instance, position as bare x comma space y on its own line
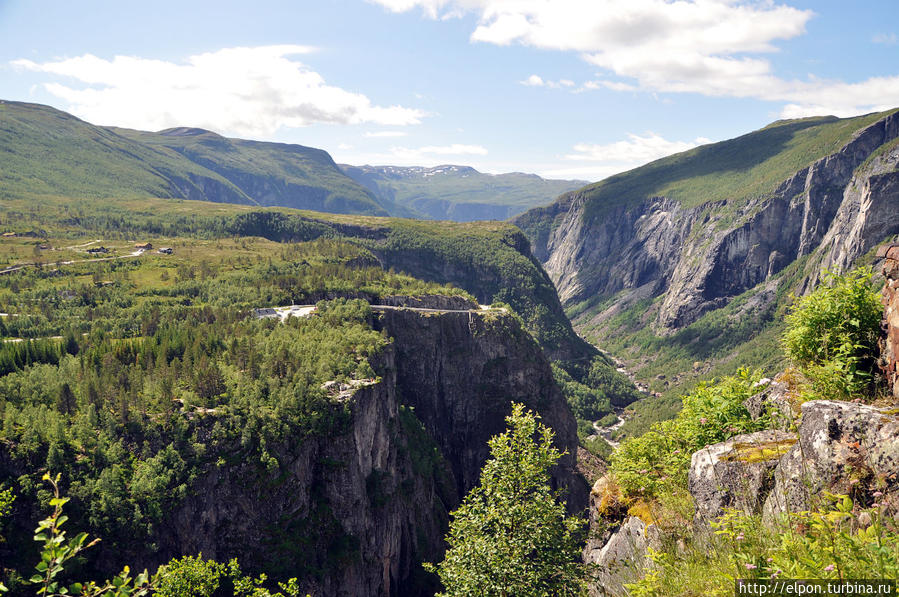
511, 535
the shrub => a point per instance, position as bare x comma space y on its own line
832, 334
659, 460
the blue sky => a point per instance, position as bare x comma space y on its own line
563, 88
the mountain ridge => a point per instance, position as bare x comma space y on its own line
460, 193
681, 256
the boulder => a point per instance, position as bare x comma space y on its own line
775, 402
623, 558
736, 473
843, 448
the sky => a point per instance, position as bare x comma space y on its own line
576, 89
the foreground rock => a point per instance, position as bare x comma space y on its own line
737, 473
843, 448
889, 344
623, 558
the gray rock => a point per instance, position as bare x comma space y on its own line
773, 401
698, 258
623, 558
736, 473
839, 442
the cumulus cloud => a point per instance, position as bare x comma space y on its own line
538, 81
634, 150
598, 161
710, 47
887, 39
244, 91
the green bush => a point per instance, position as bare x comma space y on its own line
841, 541
832, 334
659, 460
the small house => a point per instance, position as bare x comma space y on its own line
144, 246
8, 234
165, 250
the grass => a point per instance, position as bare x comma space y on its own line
736, 170
47, 152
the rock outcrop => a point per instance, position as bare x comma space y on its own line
699, 255
737, 473
843, 448
622, 558
889, 344
355, 511
775, 402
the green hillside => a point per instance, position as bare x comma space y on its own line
49, 152
736, 170
459, 193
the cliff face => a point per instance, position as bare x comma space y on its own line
699, 256
356, 512
889, 344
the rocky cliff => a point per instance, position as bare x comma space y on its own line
889, 344
696, 245
355, 512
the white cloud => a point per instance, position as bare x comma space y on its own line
887, 39
538, 81
710, 47
244, 91
598, 161
378, 134
635, 150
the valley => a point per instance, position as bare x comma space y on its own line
178, 340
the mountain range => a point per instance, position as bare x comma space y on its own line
459, 193
687, 263
49, 152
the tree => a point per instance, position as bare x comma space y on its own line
511, 535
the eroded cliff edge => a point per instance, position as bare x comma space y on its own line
696, 254
355, 511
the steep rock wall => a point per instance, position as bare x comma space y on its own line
700, 257
889, 344
354, 512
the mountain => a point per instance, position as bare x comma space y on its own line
459, 193
682, 264
49, 152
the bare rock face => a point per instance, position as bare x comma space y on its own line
698, 258
354, 511
775, 403
737, 473
623, 558
889, 344
843, 448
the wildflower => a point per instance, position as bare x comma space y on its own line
750, 566
877, 494
740, 537
703, 421
829, 568
853, 482
644, 471
769, 560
